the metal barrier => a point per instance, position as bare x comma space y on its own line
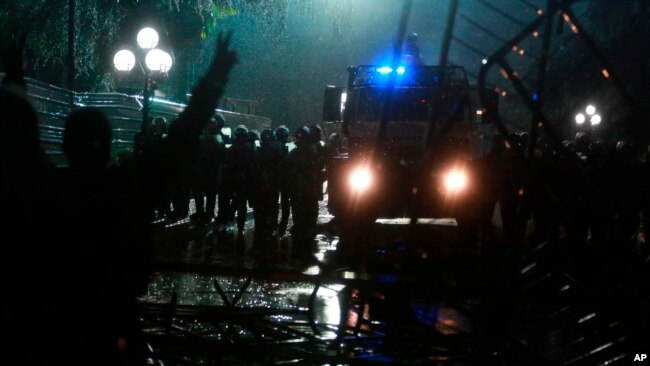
53, 104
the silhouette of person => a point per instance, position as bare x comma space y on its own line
30, 226
105, 261
102, 273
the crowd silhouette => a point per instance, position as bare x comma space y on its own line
76, 240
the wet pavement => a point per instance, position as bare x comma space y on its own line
390, 293
215, 299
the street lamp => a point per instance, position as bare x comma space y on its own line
147, 38
591, 115
124, 60
157, 64
588, 115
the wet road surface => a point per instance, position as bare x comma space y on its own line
215, 299
386, 294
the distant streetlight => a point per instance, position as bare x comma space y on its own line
157, 62
595, 120
590, 115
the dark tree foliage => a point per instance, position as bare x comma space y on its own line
101, 27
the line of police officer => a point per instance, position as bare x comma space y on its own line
249, 169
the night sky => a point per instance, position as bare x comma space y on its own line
285, 63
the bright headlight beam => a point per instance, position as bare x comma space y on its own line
360, 179
455, 180
401, 70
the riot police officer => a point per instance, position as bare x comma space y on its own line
305, 189
209, 161
267, 185
316, 135
240, 158
282, 137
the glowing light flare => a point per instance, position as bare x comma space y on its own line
147, 38
590, 110
124, 60
484, 61
535, 34
580, 118
385, 70
344, 97
595, 120
360, 179
567, 19
605, 73
540, 12
158, 60
455, 180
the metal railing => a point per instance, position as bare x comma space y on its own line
53, 104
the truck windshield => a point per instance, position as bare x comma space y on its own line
408, 104
414, 76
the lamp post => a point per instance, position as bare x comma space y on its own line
157, 64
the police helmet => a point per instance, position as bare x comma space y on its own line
240, 133
220, 120
253, 135
268, 135
582, 140
301, 133
213, 127
316, 132
159, 125
568, 144
282, 133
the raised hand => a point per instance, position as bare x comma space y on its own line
205, 96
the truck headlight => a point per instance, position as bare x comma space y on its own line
455, 180
360, 179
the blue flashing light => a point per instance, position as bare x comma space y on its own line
384, 70
401, 70
535, 97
